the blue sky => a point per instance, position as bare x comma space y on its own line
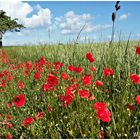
65, 19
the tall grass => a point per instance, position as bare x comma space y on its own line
79, 119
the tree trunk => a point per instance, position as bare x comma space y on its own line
1, 35
0, 44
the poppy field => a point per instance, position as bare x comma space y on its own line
70, 91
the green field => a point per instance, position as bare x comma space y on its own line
79, 118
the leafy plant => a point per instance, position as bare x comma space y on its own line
8, 24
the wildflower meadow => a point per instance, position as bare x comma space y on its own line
70, 91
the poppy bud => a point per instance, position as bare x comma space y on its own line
117, 7
113, 17
117, 2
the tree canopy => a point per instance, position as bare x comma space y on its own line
8, 24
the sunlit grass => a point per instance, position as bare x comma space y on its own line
79, 119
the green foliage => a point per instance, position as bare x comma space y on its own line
8, 24
79, 119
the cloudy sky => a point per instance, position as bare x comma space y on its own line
63, 20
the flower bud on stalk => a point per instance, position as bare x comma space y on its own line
113, 17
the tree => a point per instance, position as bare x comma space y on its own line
8, 24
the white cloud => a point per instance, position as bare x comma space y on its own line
16, 9
124, 16
23, 9
42, 18
72, 23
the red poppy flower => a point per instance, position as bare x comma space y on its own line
52, 80
5, 72
84, 93
27, 121
26, 73
20, 85
131, 106
67, 102
74, 87
1, 75
19, 100
42, 61
73, 80
4, 122
38, 67
9, 126
69, 91
101, 134
64, 76
20, 65
138, 100
90, 57
54, 72
66, 99
104, 115
8, 105
71, 68
103, 112
135, 78
6, 60
99, 83
92, 68
46, 88
138, 50
8, 117
87, 79
91, 97
3, 83
48, 64
28, 65
99, 105
9, 136
58, 65
39, 115
106, 90
79, 70
37, 75
14, 67
108, 72
9, 78
50, 109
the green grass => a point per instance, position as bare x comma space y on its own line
79, 119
